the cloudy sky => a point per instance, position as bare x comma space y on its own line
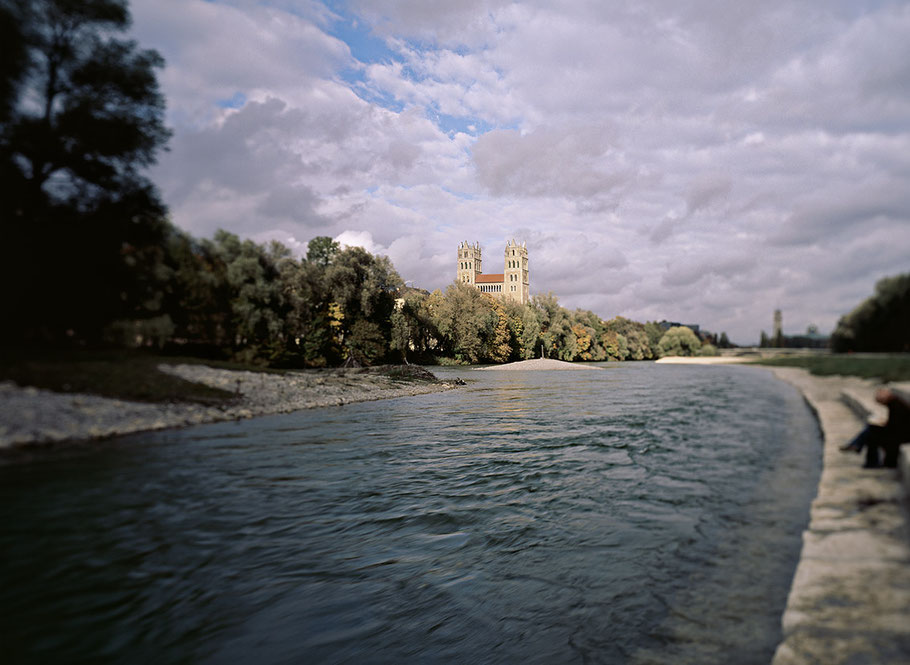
698, 161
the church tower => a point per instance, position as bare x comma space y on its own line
516, 278
469, 262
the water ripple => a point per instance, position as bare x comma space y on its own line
639, 515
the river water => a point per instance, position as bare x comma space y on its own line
640, 514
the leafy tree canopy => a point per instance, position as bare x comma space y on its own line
87, 114
82, 235
879, 323
679, 341
321, 250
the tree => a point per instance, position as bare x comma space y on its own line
366, 342
258, 310
655, 333
198, 295
412, 329
94, 115
362, 287
529, 338
82, 231
310, 319
13, 55
679, 341
638, 342
464, 318
498, 348
584, 338
879, 323
322, 250
615, 345
554, 327
724, 342
589, 342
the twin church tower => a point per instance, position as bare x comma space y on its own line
511, 284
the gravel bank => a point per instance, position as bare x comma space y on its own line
30, 415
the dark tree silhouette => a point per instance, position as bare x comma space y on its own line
881, 322
81, 226
12, 55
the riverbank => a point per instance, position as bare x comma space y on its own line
849, 601
34, 416
850, 597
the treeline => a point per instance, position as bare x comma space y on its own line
231, 298
881, 323
467, 326
257, 303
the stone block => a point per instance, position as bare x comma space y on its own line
863, 404
903, 467
847, 546
883, 517
826, 647
867, 594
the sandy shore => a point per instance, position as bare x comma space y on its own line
32, 416
537, 365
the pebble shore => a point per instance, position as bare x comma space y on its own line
33, 416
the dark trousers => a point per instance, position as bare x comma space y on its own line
872, 438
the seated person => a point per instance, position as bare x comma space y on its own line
889, 436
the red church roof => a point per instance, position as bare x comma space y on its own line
489, 279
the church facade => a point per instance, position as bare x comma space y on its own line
513, 283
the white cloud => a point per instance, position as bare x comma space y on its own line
680, 160
362, 239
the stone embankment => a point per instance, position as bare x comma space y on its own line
850, 597
29, 415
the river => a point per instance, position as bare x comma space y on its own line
641, 514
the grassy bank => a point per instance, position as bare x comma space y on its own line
885, 367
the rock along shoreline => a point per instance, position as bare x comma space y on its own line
30, 416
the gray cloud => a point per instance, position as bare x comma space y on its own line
577, 163
853, 207
290, 202
664, 159
705, 191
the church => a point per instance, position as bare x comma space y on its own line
511, 284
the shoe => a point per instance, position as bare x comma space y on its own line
850, 448
872, 465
